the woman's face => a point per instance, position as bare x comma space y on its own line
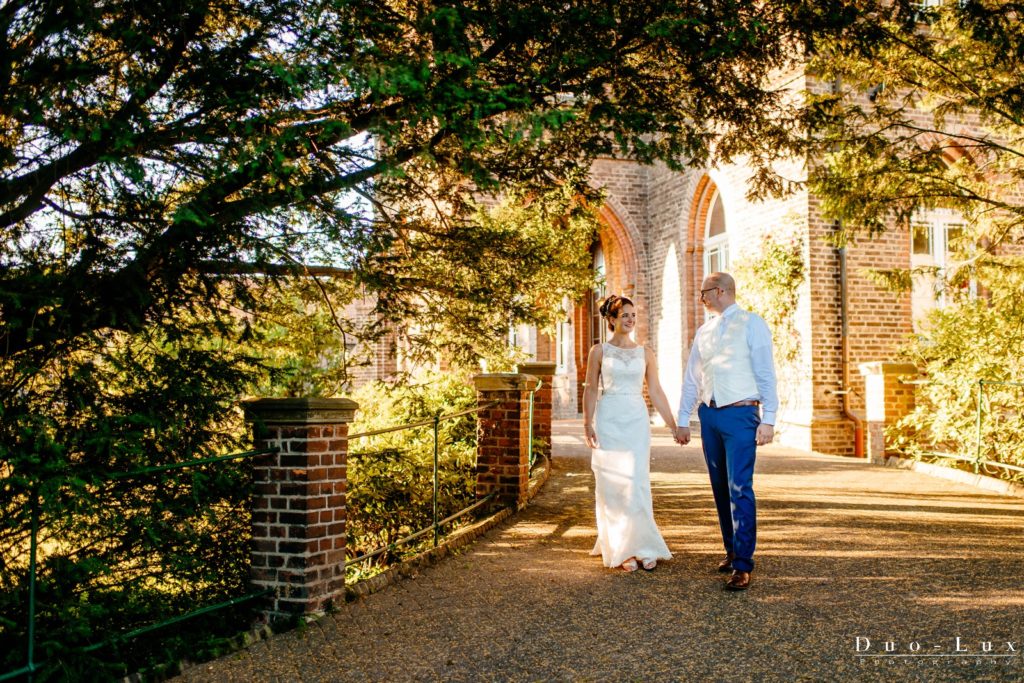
626, 320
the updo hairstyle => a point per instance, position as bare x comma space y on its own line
611, 307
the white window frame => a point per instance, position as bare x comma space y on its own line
717, 245
929, 292
563, 346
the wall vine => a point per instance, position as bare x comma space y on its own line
770, 286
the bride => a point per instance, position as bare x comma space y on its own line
620, 435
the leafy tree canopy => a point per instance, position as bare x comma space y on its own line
140, 141
926, 111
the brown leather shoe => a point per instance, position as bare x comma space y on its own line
725, 566
739, 581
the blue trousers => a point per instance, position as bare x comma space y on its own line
728, 438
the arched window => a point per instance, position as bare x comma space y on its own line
716, 241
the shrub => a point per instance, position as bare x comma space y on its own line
390, 477
975, 339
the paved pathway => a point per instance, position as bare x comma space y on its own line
849, 554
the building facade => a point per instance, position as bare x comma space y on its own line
662, 231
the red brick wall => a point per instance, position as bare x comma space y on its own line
299, 502
503, 465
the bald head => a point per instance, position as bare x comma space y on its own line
723, 280
718, 291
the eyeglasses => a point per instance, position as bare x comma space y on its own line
709, 289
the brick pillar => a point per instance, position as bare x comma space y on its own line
542, 405
298, 514
503, 449
887, 399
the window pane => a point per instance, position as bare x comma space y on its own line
560, 335
954, 233
716, 222
921, 236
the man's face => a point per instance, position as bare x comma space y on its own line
709, 294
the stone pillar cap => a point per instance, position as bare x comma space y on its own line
505, 381
881, 367
300, 410
540, 367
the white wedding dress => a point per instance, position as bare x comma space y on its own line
621, 463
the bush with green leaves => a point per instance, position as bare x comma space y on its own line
120, 552
390, 476
974, 339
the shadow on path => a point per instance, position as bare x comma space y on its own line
848, 554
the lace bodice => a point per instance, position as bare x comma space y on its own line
622, 370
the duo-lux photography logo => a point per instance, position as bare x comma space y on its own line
955, 646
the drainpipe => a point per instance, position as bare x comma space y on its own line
844, 295
844, 384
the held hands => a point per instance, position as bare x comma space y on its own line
765, 433
590, 436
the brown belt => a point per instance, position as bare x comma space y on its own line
737, 404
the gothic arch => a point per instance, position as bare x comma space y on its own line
693, 266
619, 244
951, 147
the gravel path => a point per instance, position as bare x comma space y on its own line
849, 555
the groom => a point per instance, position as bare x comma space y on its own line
732, 374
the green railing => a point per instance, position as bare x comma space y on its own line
436, 523
977, 460
32, 666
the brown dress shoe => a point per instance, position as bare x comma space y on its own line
739, 581
725, 566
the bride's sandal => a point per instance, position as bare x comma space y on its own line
629, 565
649, 565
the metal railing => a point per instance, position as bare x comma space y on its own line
32, 666
977, 461
437, 524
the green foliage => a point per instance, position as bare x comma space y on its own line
981, 339
120, 553
769, 284
942, 127
308, 335
140, 144
528, 251
390, 476
165, 167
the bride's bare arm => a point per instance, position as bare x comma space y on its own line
657, 394
590, 394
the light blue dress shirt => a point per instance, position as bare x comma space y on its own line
759, 339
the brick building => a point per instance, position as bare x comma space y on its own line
662, 231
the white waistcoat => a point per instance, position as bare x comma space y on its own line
727, 373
